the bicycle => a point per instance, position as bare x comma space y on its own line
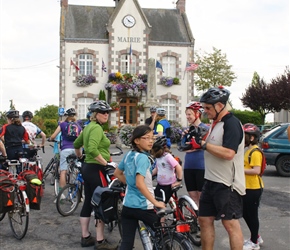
70, 195
164, 236
19, 215
52, 169
185, 210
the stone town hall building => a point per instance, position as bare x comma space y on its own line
127, 39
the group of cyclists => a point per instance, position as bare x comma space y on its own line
213, 170
19, 137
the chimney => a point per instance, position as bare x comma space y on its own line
116, 2
180, 5
63, 3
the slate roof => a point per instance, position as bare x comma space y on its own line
89, 23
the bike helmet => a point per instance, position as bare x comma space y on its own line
160, 142
12, 114
195, 106
214, 95
161, 111
99, 106
153, 109
70, 112
27, 114
252, 129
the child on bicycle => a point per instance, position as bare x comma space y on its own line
168, 170
135, 171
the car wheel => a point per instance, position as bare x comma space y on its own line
283, 165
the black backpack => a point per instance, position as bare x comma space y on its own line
104, 201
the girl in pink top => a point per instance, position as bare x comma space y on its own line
168, 170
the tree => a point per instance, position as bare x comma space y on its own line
213, 70
279, 92
46, 118
256, 97
48, 112
268, 98
102, 95
12, 106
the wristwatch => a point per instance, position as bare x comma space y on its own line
204, 146
178, 179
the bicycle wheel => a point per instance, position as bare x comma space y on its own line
56, 179
68, 199
119, 211
190, 216
19, 217
175, 241
2, 215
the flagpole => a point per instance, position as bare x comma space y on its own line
102, 68
128, 69
70, 66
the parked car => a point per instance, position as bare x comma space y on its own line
265, 128
276, 147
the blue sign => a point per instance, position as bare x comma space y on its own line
60, 111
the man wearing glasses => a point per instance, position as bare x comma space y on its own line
221, 196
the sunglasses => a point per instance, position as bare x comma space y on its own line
103, 112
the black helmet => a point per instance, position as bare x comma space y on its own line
160, 142
70, 112
27, 114
12, 114
99, 106
252, 129
153, 109
198, 132
161, 111
214, 95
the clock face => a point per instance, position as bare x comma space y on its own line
129, 21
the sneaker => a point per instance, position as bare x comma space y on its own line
260, 240
61, 198
88, 242
249, 245
105, 245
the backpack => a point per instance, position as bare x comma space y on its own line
34, 192
7, 191
71, 131
104, 201
264, 164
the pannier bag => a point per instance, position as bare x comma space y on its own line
104, 201
34, 188
7, 192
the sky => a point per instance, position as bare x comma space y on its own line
254, 35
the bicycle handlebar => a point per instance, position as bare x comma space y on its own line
37, 147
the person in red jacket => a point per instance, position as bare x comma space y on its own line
13, 134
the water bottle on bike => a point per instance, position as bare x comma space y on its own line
145, 238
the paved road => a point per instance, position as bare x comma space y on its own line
49, 230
